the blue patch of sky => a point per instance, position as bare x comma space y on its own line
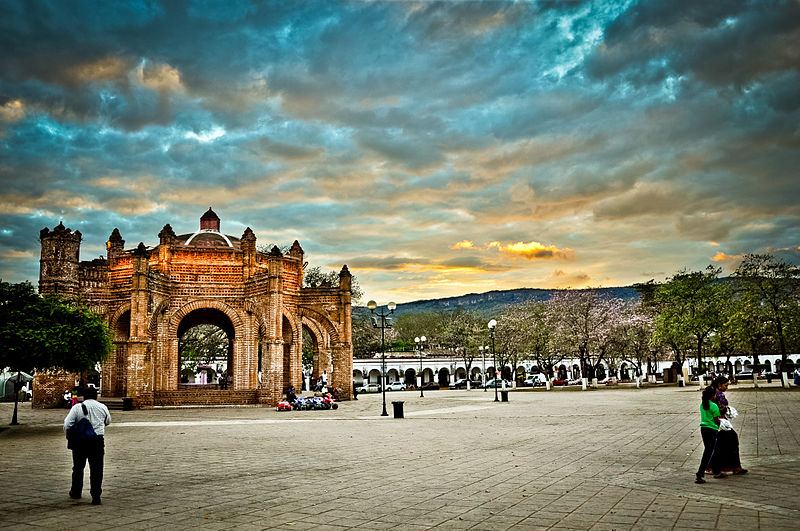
228, 11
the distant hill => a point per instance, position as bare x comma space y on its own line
493, 302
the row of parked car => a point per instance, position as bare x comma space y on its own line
395, 386
747, 374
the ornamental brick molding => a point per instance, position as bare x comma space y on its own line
150, 296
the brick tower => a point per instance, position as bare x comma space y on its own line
59, 264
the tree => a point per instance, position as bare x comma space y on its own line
689, 306
775, 284
366, 338
461, 331
410, 325
315, 276
745, 326
635, 332
506, 344
538, 336
43, 333
583, 326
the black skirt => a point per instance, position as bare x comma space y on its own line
726, 453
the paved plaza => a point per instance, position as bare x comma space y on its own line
603, 459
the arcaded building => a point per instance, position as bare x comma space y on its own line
152, 295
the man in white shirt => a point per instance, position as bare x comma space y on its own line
91, 449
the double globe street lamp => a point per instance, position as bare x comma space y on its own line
383, 321
420, 341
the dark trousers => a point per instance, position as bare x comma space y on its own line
709, 444
91, 449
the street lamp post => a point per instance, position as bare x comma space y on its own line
492, 324
420, 341
381, 320
483, 375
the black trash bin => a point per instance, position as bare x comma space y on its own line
398, 409
127, 404
503, 396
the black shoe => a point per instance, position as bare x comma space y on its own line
699, 479
721, 475
74, 496
95, 501
741, 471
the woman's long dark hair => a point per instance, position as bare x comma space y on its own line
708, 394
719, 380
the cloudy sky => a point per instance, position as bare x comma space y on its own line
436, 148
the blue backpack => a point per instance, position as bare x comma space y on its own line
79, 431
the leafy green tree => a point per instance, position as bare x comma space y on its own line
43, 333
689, 306
308, 351
745, 327
315, 276
366, 338
774, 284
410, 325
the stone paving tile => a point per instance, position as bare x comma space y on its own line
603, 459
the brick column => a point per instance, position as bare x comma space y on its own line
139, 376
343, 370
271, 372
343, 350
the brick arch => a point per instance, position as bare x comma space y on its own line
112, 322
114, 370
160, 309
322, 322
176, 318
331, 348
322, 336
257, 310
297, 334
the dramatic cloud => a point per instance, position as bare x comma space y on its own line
535, 251
722, 257
618, 140
463, 244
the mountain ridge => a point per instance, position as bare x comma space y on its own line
495, 301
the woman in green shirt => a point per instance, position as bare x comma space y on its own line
709, 426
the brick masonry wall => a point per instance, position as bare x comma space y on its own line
205, 397
49, 387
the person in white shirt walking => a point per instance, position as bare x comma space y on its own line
91, 449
